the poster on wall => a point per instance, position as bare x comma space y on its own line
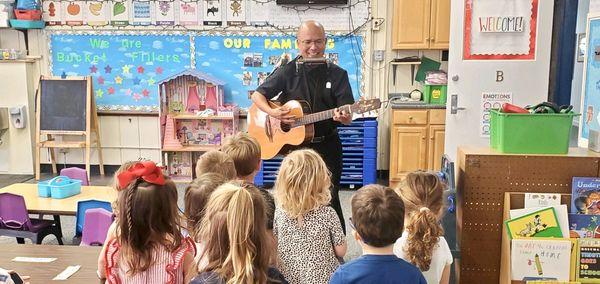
212, 14
142, 13
124, 67
165, 12
590, 100
52, 12
259, 13
73, 12
96, 13
120, 10
236, 12
189, 13
244, 62
500, 30
489, 101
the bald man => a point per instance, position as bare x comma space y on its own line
324, 87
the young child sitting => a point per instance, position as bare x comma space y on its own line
244, 150
216, 162
377, 221
422, 242
146, 245
308, 231
237, 248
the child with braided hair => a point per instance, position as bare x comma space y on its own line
146, 245
422, 242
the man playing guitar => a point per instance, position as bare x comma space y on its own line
324, 86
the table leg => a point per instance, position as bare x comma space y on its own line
57, 220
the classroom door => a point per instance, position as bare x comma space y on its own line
527, 80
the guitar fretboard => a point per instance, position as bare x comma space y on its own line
319, 116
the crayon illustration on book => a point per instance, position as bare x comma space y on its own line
585, 195
542, 223
540, 259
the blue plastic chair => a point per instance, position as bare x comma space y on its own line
84, 205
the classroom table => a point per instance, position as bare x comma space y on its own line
65, 256
53, 206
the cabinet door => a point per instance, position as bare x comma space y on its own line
439, 32
129, 130
149, 134
410, 26
408, 148
435, 147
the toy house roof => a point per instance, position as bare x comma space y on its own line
195, 73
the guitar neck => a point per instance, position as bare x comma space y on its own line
319, 116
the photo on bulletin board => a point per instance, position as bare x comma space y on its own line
590, 99
245, 61
500, 30
124, 66
581, 47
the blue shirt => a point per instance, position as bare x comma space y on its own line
383, 269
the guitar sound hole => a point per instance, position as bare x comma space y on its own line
285, 127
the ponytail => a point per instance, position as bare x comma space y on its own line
424, 232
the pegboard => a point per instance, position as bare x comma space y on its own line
483, 178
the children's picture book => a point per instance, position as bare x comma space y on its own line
584, 226
585, 195
561, 211
588, 261
541, 223
540, 258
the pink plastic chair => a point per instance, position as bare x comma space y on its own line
15, 221
96, 224
76, 173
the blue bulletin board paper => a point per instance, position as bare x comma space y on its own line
243, 61
124, 67
591, 95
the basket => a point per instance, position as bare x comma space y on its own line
59, 187
523, 133
435, 94
30, 15
25, 24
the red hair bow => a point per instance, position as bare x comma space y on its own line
148, 171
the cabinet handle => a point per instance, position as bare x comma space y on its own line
423, 137
410, 118
432, 39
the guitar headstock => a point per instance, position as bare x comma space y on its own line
363, 106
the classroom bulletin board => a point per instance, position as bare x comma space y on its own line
590, 99
125, 66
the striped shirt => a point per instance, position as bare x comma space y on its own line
167, 266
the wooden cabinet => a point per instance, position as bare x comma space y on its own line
421, 24
416, 141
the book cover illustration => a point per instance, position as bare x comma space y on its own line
540, 258
561, 211
584, 226
585, 198
542, 223
588, 261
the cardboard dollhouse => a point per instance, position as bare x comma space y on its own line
193, 118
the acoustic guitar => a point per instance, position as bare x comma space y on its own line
275, 136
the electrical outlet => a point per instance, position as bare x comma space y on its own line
376, 23
378, 55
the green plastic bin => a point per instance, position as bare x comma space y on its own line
435, 94
524, 133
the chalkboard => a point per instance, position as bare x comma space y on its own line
63, 105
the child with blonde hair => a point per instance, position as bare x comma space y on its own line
146, 245
308, 231
422, 242
237, 248
216, 162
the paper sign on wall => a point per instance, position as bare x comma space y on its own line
142, 13
52, 12
165, 12
259, 13
491, 100
236, 12
189, 13
72, 12
119, 12
212, 13
96, 13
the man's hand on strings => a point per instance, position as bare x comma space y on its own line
283, 114
342, 116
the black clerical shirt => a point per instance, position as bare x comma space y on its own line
323, 86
